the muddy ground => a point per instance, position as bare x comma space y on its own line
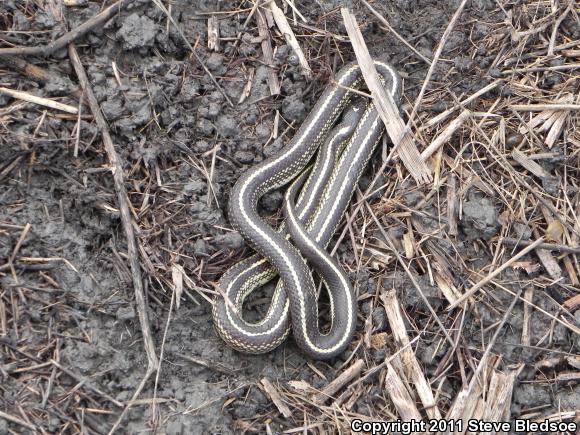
69, 295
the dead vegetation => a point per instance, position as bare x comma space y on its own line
492, 231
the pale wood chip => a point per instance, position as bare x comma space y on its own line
569, 265
410, 366
468, 399
446, 134
177, 277
213, 33
556, 129
529, 164
248, 86
550, 263
403, 140
526, 324
535, 121
499, 395
267, 51
271, 391
400, 397
301, 385
568, 376
286, 30
344, 378
542, 107
24, 96
452, 205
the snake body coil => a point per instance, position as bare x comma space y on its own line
310, 221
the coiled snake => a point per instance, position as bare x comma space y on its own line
326, 189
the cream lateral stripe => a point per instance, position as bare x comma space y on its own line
243, 331
298, 285
318, 181
244, 212
343, 187
345, 287
327, 193
394, 87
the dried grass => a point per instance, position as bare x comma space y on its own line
494, 141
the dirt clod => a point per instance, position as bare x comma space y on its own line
137, 31
480, 218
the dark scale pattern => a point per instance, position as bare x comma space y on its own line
287, 261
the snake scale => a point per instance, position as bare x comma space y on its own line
314, 204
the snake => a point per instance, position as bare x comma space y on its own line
324, 191
255, 271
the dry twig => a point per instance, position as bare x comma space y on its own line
286, 30
495, 273
46, 102
69, 37
124, 208
339, 382
403, 142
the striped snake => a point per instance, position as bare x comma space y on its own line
325, 191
